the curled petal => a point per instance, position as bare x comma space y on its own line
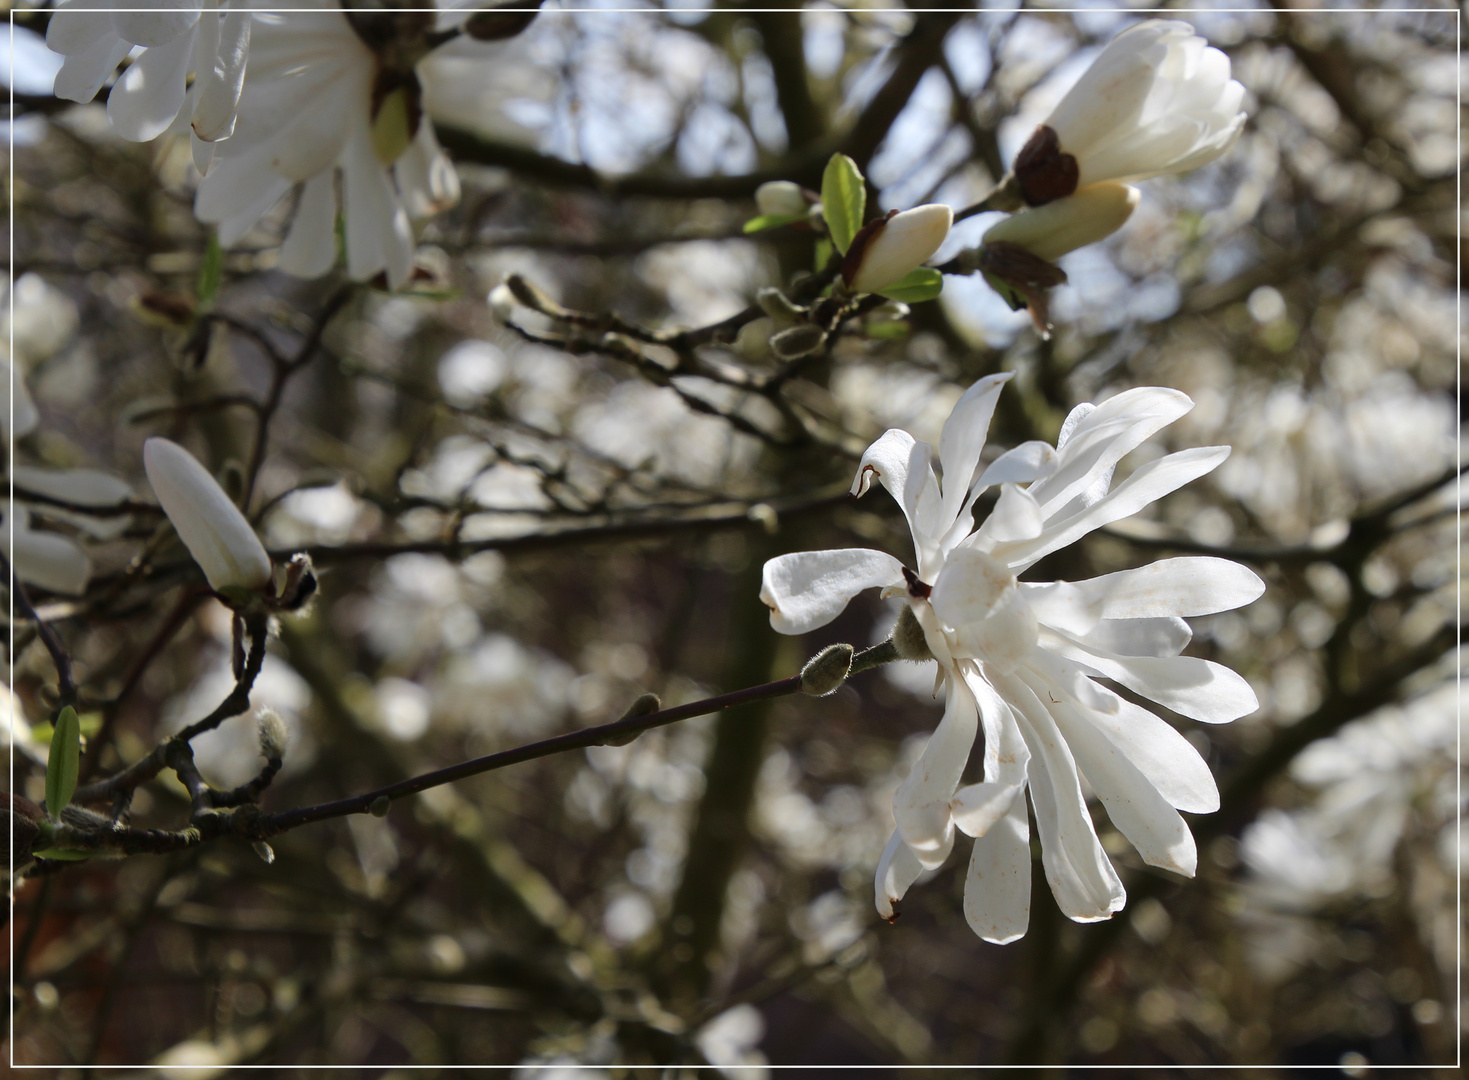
976, 807
962, 441
896, 871
902, 464
150, 93
921, 803
808, 589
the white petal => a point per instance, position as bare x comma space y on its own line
1006, 757
902, 464
210, 525
82, 74
168, 20
203, 154
1096, 437
54, 562
921, 803
83, 487
1194, 585
1016, 516
310, 249
150, 93
1023, 464
1190, 686
379, 239
808, 589
1081, 876
962, 441
978, 598
1135, 806
426, 176
1148, 484
233, 226
74, 29
997, 887
976, 807
896, 871
222, 78
1064, 605
1163, 636
1160, 753
313, 140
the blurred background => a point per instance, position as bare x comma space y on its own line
519, 533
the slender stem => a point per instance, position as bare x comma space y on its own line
606, 734
65, 679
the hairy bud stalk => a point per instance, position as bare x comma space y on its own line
210, 525
825, 672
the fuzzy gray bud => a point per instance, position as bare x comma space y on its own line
825, 672
274, 736
909, 638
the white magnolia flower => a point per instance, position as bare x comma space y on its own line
319, 102
55, 562
1158, 100
894, 247
210, 525
1019, 659
191, 60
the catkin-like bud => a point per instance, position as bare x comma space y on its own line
274, 736
825, 672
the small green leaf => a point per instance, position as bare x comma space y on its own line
925, 283
843, 200
64, 763
63, 854
771, 221
211, 272
888, 329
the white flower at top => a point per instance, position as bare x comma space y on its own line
319, 102
1019, 660
1157, 100
192, 58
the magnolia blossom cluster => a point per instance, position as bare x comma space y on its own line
1019, 660
277, 104
1158, 100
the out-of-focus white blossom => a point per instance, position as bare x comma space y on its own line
1157, 100
901, 244
311, 110
210, 525
1021, 658
191, 61
48, 559
781, 198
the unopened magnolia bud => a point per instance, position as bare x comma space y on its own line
274, 735
265, 851
778, 305
645, 705
908, 637
1052, 230
210, 525
825, 672
501, 22
379, 806
798, 341
781, 198
895, 247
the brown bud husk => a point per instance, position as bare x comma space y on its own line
504, 21
1043, 172
1022, 278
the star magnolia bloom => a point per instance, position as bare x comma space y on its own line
1158, 100
210, 525
1020, 659
189, 57
307, 114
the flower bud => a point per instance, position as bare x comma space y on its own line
825, 672
1050, 231
798, 341
274, 735
502, 21
211, 527
781, 198
884, 252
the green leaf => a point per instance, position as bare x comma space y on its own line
63, 854
925, 283
771, 221
64, 763
888, 329
843, 200
211, 272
